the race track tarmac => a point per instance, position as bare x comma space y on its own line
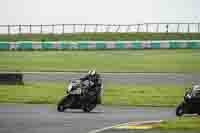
20, 118
174, 78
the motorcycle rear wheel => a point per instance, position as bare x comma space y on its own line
64, 103
89, 107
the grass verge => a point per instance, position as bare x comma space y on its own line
186, 60
100, 36
183, 123
114, 94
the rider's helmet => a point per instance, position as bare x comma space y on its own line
196, 90
92, 72
89, 72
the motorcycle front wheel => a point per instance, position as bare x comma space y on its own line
180, 110
64, 103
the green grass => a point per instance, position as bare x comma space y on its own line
114, 94
100, 36
183, 123
32, 92
104, 61
143, 94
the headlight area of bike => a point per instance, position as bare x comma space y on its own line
188, 96
70, 86
192, 94
74, 88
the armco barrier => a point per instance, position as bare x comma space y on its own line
25, 45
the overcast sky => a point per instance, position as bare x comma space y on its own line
98, 11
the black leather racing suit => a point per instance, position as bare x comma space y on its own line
93, 88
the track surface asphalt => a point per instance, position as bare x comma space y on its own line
20, 118
176, 78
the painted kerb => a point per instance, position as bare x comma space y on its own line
173, 44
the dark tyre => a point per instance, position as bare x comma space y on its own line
64, 103
89, 107
180, 110
60, 108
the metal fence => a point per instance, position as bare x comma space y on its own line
94, 28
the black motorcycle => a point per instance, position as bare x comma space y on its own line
191, 103
78, 96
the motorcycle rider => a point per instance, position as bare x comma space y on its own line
94, 84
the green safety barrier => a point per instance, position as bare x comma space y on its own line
83, 45
24, 45
46, 45
155, 45
136, 45
100, 45
4, 46
193, 45
119, 45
